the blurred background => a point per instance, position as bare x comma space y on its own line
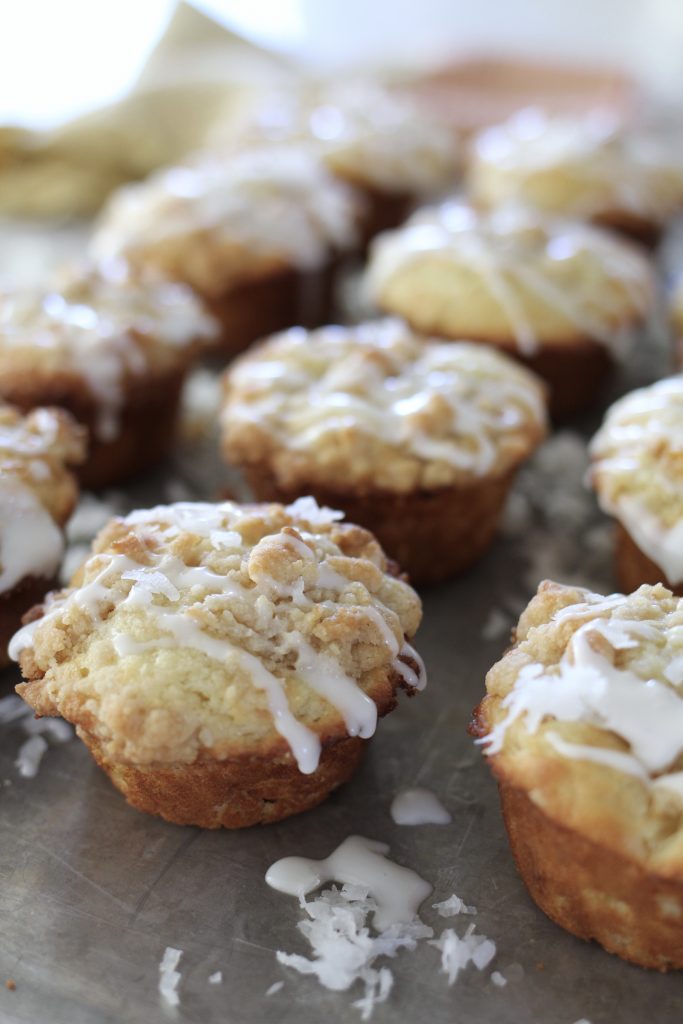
61, 59
96, 94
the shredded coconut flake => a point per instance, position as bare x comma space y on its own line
457, 953
497, 624
276, 987
169, 976
344, 949
30, 755
217, 977
498, 980
453, 906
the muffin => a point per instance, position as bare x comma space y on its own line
225, 664
112, 352
417, 440
563, 298
582, 726
637, 474
37, 496
382, 144
676, 318
256, 236
586, 168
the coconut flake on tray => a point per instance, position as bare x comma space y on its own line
349, 927
169, 976
554, 519
13, 711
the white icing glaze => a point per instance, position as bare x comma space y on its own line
415, 680
587, 687
90, 325
418, 806
362, 130
280, 201
435, 401
617, 171
31, 544
512, 249
634, 470
157, 588
357, 861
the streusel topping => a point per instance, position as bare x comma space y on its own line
217, 220
510, 274
37, 492
575, 167
101, 326
596, 679
637, 470
377, 405
205, 630
363, 133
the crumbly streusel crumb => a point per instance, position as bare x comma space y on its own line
192, 624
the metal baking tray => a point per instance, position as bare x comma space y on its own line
92, 891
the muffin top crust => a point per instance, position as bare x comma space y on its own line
222, 221
511, 277
200, 631
37, 491
376, 406
637, 470
582, 167
99, 327
362, 132
585, 713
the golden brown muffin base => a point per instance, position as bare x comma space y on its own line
383, 210
15, 603
234, 793
593, 892
647, 233
147, 421
634, 567
255, 309
431, 534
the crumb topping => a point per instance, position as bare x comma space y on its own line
375, 404
594, 685
510, 275
102, 327
200, 630
364, 134
574, 166
637, 470
226, 220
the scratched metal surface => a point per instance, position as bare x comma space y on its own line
91, 891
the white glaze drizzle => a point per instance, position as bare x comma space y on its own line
357, 861
418, 806
632, 472
31, 543
589, 687
92, 322
279, 201
359, 127
510, 249
630, 171
167, 577
436, 401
